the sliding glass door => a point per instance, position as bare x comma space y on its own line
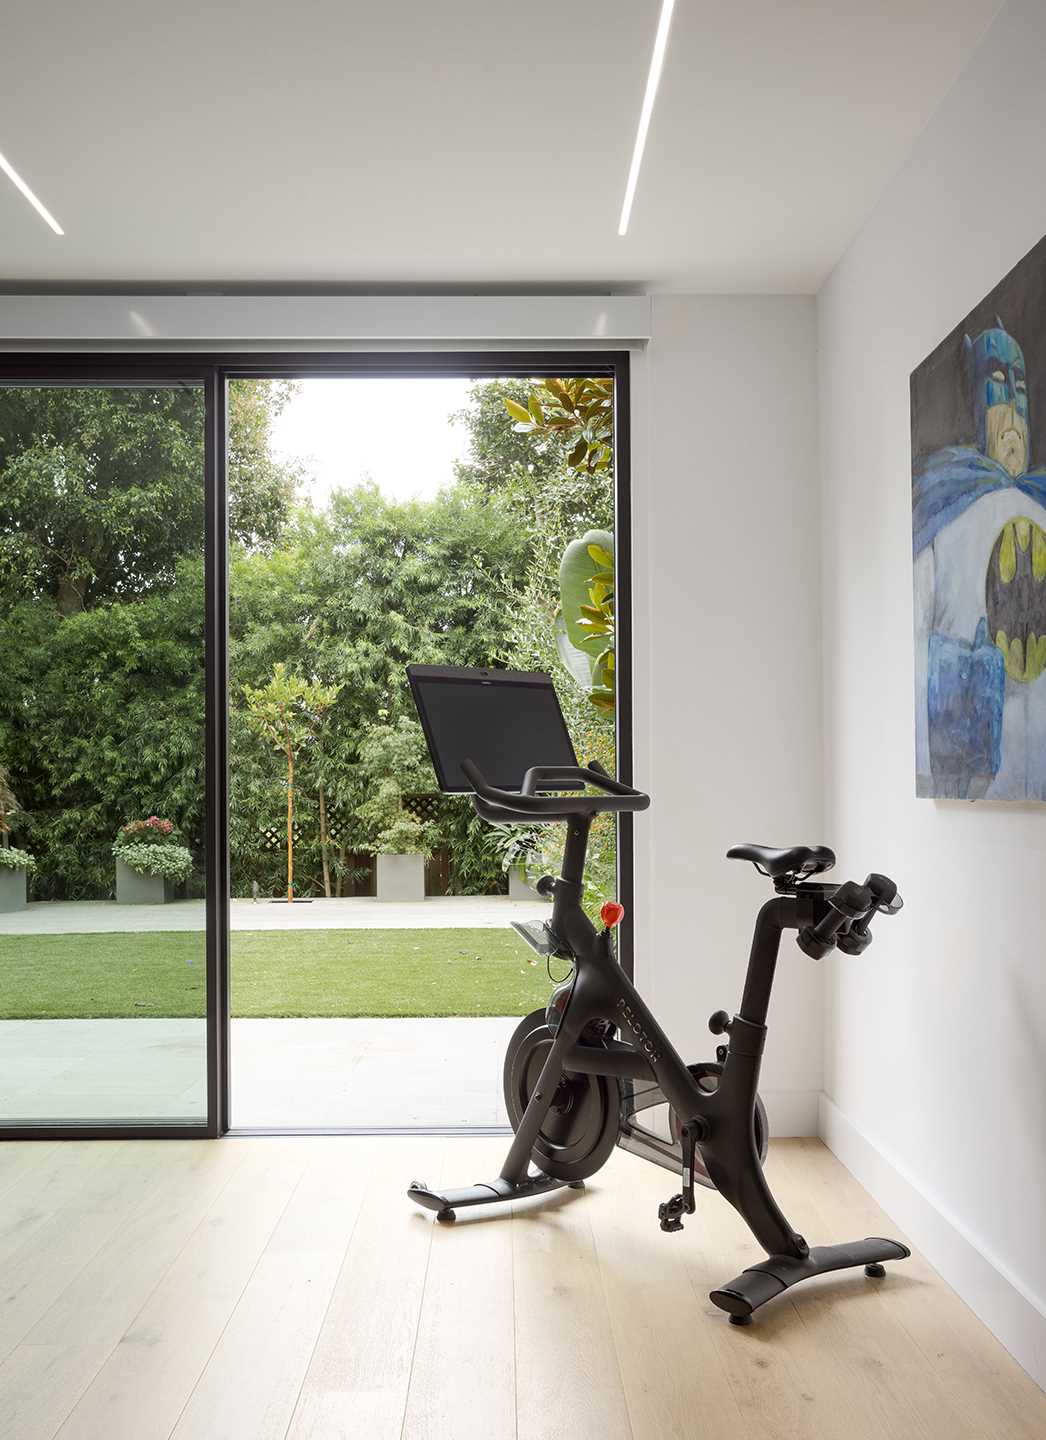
137, 491
102, 814
375, 976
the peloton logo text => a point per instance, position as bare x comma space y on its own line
646, 1044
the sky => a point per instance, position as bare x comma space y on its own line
397, 431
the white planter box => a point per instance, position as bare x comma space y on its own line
12, 889
401, 877
135, 889
518, 888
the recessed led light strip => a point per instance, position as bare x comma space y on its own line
657, 60
38, 205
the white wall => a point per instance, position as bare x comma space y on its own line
935, 1058
729, 726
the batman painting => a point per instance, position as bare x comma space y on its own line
979, 554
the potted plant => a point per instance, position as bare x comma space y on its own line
14, 864
401, 850
14, 869
392, 765
151, 862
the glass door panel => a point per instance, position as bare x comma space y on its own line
102, 840
375, 978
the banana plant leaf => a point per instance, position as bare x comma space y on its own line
577, 570
577, 662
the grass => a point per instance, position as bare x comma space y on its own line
274, 973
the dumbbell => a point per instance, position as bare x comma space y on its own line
850, 902
885, 901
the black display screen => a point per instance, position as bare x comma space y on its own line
503, 721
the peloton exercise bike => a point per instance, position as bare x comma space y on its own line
580, 1074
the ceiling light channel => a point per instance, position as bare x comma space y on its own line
38, 205
657, 60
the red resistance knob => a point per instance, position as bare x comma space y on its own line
611, 913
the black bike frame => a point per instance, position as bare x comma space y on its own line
722, 1119
719, 1123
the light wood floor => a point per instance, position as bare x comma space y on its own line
262, 1288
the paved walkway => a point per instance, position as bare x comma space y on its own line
284, 1073
81, 917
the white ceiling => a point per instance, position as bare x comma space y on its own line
459, 142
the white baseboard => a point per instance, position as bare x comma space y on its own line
1016, 1317
791, 1112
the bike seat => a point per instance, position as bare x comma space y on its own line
801, 860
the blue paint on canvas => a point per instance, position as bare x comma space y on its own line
979, 550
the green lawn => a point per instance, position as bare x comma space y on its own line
317, 972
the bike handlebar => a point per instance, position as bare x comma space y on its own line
501, 806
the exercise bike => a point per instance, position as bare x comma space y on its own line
583, 1074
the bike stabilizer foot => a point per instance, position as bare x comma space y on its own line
491, 1192
760, 1283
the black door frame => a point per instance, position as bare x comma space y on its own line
212, 371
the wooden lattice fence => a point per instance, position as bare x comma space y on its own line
426, 808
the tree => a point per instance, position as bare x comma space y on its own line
555, 501
526, 466
261, 487
526, 461
101, 489
573, 418
102, 705
353, 594
101, 719
394, 763
577, 413
500, 457
288, 712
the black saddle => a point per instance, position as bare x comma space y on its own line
800, 861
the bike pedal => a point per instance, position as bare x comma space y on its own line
671, 1213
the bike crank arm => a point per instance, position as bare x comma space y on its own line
671, 1213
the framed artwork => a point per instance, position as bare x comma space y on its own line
979, 548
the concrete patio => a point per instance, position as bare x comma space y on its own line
304, 1073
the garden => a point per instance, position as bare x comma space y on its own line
101, 710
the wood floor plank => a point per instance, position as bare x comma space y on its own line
19, 1158
141, 1389
981, 1381
871, 1360
248, 1289
464, 1372
45, 1375
41, 1192
252, 1380
776, 1381
359, 1374
568, 1380
674, 1385
53, 1253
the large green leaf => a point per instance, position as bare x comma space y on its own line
576, 572
517, 411
577, 662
